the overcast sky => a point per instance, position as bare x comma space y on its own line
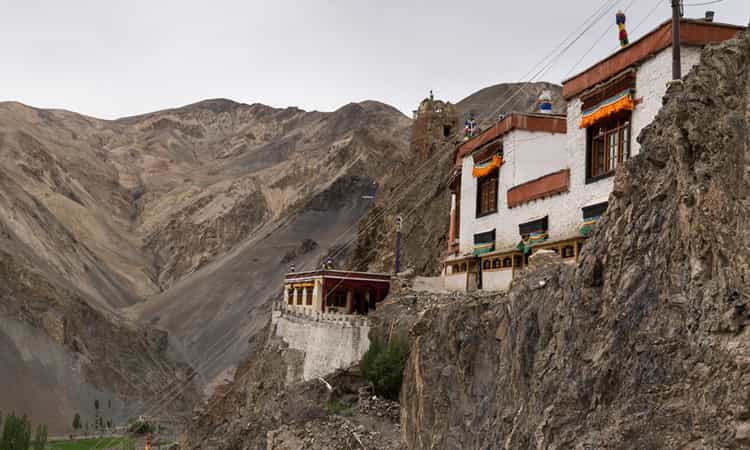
115, 58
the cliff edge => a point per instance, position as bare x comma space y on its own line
644, 343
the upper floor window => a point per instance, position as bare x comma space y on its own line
487, 194
608, 145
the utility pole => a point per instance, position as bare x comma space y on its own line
399, 222
676, 64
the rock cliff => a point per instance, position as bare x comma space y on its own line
644, 343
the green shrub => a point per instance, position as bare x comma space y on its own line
383, 366
140, 427
339, 408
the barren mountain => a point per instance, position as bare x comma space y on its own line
488, 104
106, 222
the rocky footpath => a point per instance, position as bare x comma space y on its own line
644, 344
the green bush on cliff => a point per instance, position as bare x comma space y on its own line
383, 366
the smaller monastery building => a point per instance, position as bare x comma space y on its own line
541, 181
335, 291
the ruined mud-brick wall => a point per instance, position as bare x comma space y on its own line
329, 342
435, 122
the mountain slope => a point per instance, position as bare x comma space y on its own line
180, 219
487, 104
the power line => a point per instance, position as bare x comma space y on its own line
596, 41
650, 13
713, 2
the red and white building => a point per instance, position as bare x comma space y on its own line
540, 181
335, 291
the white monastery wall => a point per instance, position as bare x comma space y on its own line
651, 85
454, 282
530, 155
496, 279
328, 343
527, 156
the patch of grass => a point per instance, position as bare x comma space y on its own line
339, 408
90, 444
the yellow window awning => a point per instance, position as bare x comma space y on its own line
487, 167
620, 102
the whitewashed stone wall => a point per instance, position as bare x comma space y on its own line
329, 342
497, 280
454, 282
651, 85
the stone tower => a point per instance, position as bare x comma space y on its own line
434, 122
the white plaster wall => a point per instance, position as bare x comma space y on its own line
327, 346
455, 282
528, 155
651, 85
497, 280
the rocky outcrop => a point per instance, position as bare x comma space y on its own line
643, 344
264, 408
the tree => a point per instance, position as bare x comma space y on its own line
383, 366
16, 433
40, 439
77, 422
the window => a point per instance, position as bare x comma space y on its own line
535, 226
446, 130
337, 299
507, 262
463, 267
487, 194
299, 296
608, 146
568, 251
596, 210
290, 296
496, 264
309, 297
455, 269
487, 264
518, 261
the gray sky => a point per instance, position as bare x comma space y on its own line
110, 59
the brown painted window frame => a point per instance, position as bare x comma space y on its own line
491, 205
621, 126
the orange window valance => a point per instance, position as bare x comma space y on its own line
620, 102
485, 168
